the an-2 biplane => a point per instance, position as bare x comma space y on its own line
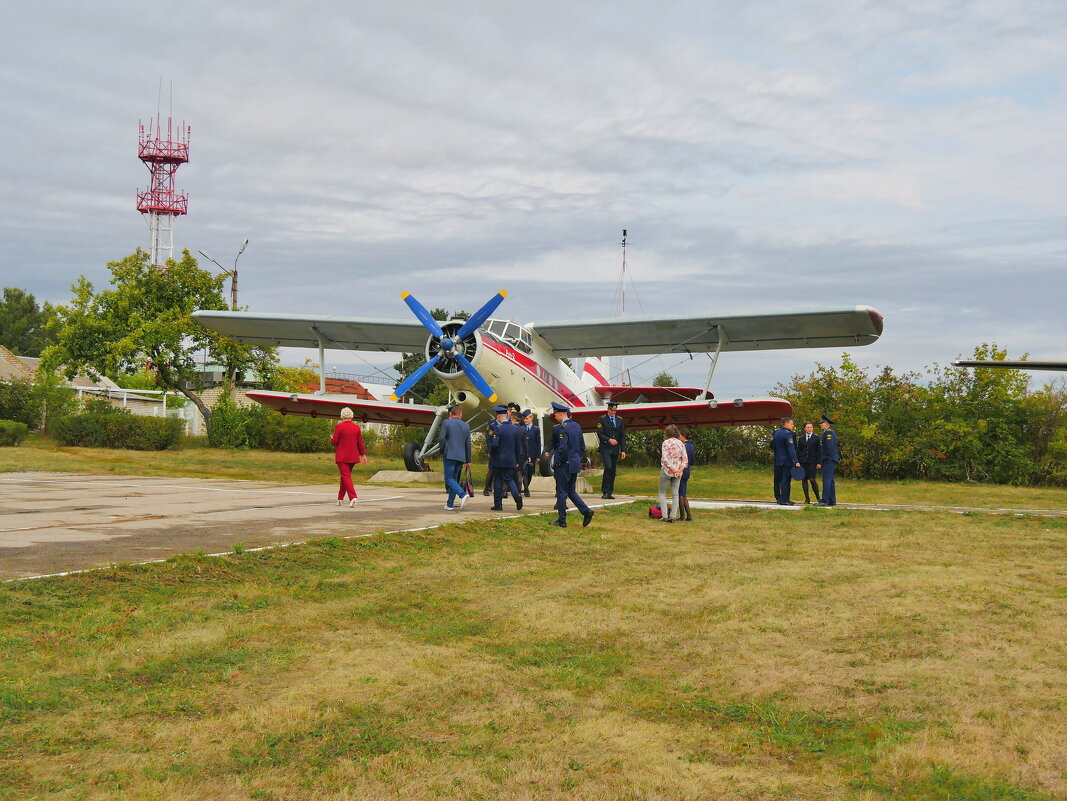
485, 358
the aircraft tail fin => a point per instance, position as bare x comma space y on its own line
596, 372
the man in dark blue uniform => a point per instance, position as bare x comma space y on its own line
533, 450
507, 450
808, 456
501, 413
611, 435
785, 457
829, 458
568, 447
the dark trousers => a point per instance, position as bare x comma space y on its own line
565, 483
783, 480
504, 477
527, 476
829, 491
488, 481
780, 470
610, 459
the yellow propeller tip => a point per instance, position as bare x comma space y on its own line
393, 398
503, 293
493, 399
404, 295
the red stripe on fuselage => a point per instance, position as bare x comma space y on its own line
535, 371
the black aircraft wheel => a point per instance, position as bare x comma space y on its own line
411, 458
544, 465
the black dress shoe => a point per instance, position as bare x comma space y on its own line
557, 523
487, 492
526, 494
587, 518
518, 502
608, 497
496, 508
786, 503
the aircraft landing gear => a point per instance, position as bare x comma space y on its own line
411, 459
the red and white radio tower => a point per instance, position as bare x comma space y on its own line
160, 201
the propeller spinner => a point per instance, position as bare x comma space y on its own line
448, 345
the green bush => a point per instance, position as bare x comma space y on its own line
234, 426
111, 430
12, 432
36, 403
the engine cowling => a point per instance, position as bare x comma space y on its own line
447, 366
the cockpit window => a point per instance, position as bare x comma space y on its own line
511, 333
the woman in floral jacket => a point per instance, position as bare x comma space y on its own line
673, 462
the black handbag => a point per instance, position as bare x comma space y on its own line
467, 483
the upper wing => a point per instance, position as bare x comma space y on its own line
860, 325
294, 330
740, 412
366, 411
1013, 365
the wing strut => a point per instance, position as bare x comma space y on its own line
714, 360
322, 361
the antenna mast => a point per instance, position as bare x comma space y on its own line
161, 203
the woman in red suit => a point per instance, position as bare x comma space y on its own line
348, 451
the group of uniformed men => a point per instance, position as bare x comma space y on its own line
805, 453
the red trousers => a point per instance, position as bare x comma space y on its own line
345, 469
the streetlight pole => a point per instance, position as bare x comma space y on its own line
232, 273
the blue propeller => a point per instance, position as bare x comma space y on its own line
448, 344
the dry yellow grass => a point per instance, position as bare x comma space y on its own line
754, 655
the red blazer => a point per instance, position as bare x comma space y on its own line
347, 442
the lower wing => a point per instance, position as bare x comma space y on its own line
644, 416
329, 406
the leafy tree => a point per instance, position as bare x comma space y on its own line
25, 328
146, 320
664, 379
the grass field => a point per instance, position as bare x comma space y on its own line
750, 655
707, 481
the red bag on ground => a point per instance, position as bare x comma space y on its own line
466, 483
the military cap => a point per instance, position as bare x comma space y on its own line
559, 407
526, 412
500, 410
514, 406
613, 404
826, 419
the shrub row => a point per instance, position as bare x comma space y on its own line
108, 430
12, 432
233, 426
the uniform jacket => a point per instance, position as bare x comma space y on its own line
785, 450
607, 429
455, 440
690, 455
508, 447
347, 442
568, 445
490, 432
808, 451
828, 447
533, 441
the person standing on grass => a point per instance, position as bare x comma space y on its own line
455, 442
683, 485
611, 438
348, 451
808, 456
673, 462
828, 458
785, 458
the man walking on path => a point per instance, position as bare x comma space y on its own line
567, 447
455, 442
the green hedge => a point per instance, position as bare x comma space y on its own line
233, 426
12, 432
118, 431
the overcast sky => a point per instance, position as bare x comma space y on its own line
763, 156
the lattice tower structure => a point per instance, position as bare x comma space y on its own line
161, 203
